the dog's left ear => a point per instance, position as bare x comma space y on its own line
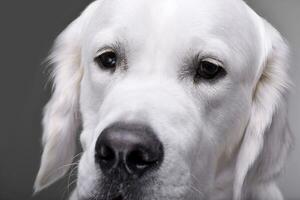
267, 138
61, 114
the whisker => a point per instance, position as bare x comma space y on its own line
195, 190
108, 194
73, 182
74, 167
70, 175
77, 155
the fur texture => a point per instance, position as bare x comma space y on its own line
227, 139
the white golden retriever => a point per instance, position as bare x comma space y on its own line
178, 100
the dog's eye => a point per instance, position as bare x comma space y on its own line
209, 69
107, 60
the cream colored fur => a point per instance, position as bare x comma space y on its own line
226, 140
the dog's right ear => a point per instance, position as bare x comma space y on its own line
267, 139
61, 114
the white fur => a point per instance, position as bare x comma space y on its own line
225, 140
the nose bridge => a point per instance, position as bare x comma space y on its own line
154, 62
157, 56
153, 92
158, 101
163, 104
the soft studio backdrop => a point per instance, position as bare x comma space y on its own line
27, 30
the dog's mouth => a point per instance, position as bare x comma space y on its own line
114, 197
118, 185
111, 190
120, 197
116, 194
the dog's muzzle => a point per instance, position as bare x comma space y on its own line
126, 152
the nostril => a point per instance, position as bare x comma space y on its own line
137, 159
106, 153
140, 159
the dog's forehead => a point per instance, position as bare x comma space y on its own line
179, 25
162, 30
175, 18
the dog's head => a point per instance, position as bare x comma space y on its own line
174, 97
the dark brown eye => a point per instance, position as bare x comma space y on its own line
209, 69
107, 60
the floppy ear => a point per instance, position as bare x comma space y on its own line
267, 138
61, 114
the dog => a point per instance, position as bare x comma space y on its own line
177, 100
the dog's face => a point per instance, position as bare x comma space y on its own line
181, 72
166, 92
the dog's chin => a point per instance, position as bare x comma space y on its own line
121, 191
135, 190
117, 189
118, 193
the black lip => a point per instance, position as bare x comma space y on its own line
119, 197
116, 187
111, 196
128, 190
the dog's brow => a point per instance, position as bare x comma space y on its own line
116, 46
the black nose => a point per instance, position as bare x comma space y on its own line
131, 149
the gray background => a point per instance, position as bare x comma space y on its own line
27, 29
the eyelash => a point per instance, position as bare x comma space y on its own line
208, 70
191, 69
116, 48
